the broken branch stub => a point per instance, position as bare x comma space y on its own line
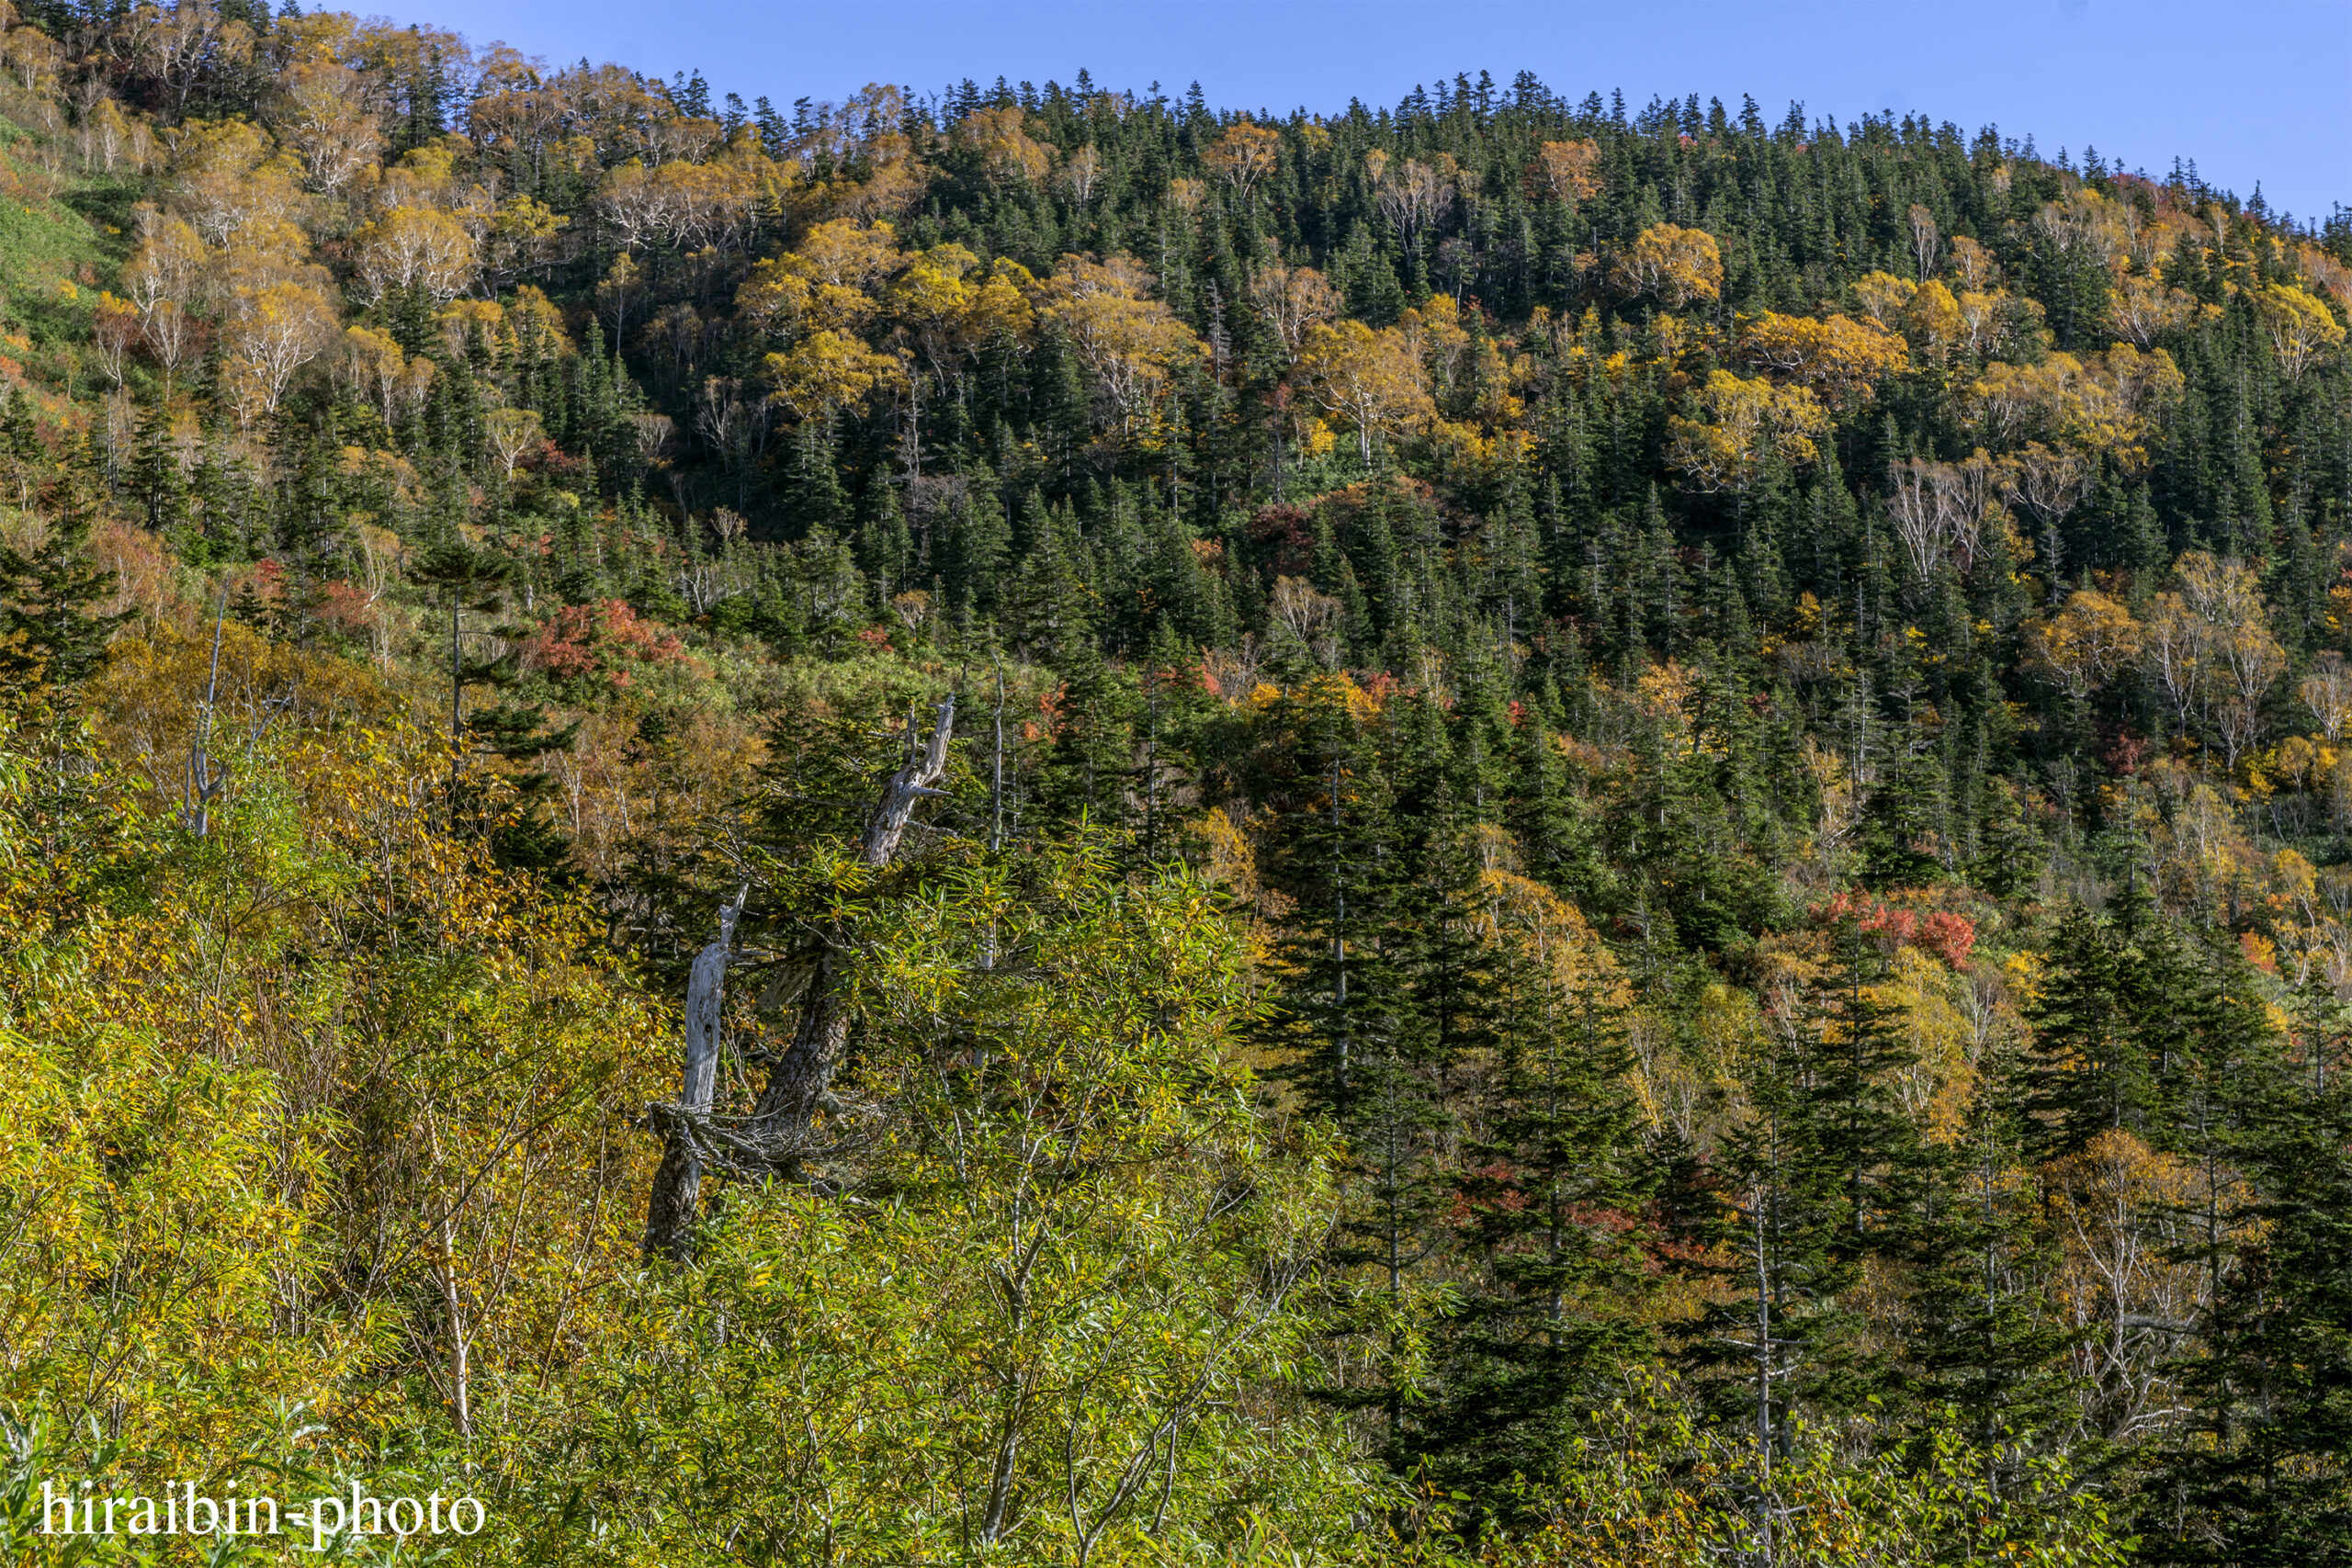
670, 1209
778, 1136
802, 1074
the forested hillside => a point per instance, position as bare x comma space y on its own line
1038, 826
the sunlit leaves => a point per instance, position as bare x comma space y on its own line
1244, 155
1130, 343
415, 247
271, 331
1372, 381
1292, 300
2103, 403
2085, 643
1567, 172
1747, 422
825, 371
1841, 358
1006, 150
1673, 266
2300, 328
1075, 1271
824, 286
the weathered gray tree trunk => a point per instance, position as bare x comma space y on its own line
205, 779
801, 1076
797, 1082
677, 1185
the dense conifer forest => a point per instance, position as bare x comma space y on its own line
1040, 826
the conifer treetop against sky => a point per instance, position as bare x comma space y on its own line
2252, 92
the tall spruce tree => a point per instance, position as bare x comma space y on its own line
1984, 1340
53, 636
1552, 1184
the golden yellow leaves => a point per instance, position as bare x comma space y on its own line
231, 190
2090, 640
423, 248
497, 1057
1567, 172
1839, 358
1007, 152
147, 718
2300, 328
2086, 220
108, 136
1932, 320
2103, 403
1130, 344
1570, 958
202, 1252
1972, 263
825, 286
374, 369
1882, 296
324, 121
521, 235
949, 309
1928, 313
843, 279
1244, 155
1747, 423
686, 204
32, 57
227, 178
114, 327
1370, 381
1673, 266
271, 331
1990, 320
828, 370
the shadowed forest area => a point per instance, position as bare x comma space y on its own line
1042, 826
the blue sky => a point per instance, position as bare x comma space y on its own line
2251, 90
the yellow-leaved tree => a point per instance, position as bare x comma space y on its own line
1747, 422
2088, 642
1131, 343
1839, 358
1372, 381
308, 1086
1673, 266
1244, 155
950, 308
2300, 328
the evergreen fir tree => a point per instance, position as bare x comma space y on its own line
1858, 1128
2262, 1476
2085, 1075
1555, 1308
1984, 1340
53, 636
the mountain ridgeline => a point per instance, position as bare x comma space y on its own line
1046, 825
